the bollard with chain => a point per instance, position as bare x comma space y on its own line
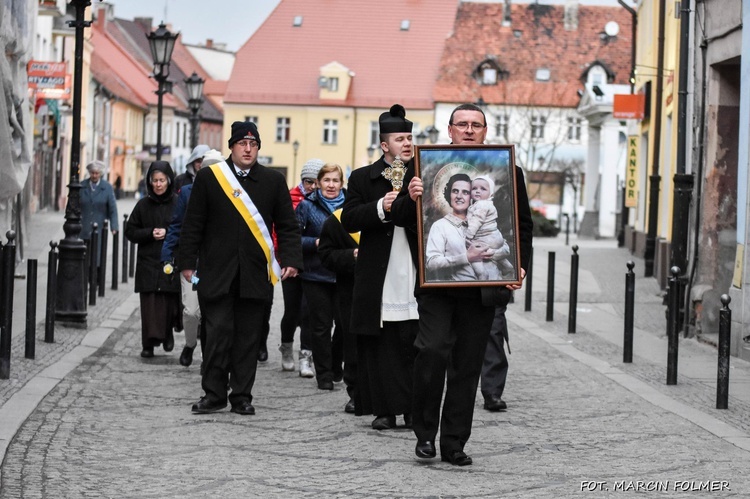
627, 347
115, 261
573, 301
93, 280
124, 251
6, 307
550, 285
102, 264
672, 327
725, 334
527, 283
31, 273
49, 320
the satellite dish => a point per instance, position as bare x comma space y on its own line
612, 28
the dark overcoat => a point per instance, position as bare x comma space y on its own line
149, 213
365, 188
97, 205
216, 240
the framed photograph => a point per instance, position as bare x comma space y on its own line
467, 216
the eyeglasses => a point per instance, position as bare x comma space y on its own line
308, 181
463, 126
247, 143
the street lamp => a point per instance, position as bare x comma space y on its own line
295, 149
194, 85
421, 138
71, 282
370, 151
161, 43
433, 133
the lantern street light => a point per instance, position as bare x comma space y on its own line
70, 304
194, 86
433, 133
161, 43
421, 137
295, 149
370, 151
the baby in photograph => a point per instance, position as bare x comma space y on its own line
482, 228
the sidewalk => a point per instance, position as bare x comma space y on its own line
102, 422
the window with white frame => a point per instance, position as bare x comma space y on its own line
574, 128
537, 126
374, 134
333, 84
489, 76
254, 119
501, 126
330, 131
283, 126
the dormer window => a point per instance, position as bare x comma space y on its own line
489, 73
489, 76
542, 74
297, 21
405, 25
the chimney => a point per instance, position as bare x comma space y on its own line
506, 13
209, 43
571, 15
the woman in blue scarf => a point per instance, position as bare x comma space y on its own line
319, 283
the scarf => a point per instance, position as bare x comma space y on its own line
331, 204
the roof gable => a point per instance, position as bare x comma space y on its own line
280, 63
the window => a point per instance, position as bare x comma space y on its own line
254, 119
542, 74
501, 128
297, 21
282, 129
489, 76
184, 134
374, 134
405, 24
330, 131
574, 128
333, 84
537, 126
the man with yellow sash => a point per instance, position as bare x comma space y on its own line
227, 252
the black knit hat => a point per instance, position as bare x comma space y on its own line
244, 130
394, 120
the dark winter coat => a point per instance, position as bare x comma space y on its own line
311, 215
215, 232
365, 188
336, 250
152, 212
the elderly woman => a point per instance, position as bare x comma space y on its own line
319, 283
97, 203
159, 291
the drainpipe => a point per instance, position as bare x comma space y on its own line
655, 178
624, 210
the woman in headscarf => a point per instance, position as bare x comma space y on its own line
158, 286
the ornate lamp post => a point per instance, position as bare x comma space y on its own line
421, 137
433, 133
295, 149
161, 43
71, 281
194, 86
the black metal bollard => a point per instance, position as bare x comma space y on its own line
115, 258
550, 285
627, 347
725, 334
93, 280
49, 320
6, 307
672, 327
31, 273
567, 228
573, 302
102, 267
527, 283
124, 251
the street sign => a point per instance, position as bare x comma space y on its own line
631, 173
629, 106
49, 79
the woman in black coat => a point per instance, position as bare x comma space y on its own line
159, 291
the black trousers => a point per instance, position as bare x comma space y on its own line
453, 331
495, 366
327, 349
234, 327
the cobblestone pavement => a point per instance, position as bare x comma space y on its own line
120, 426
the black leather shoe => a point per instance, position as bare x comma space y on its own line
325, 384
457, 458
425, 449
384, 423
245, 408
203, 406
407, 421
263, 354
169, 343
147, 352
186, 358
493, 404
338, 377
349, 407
